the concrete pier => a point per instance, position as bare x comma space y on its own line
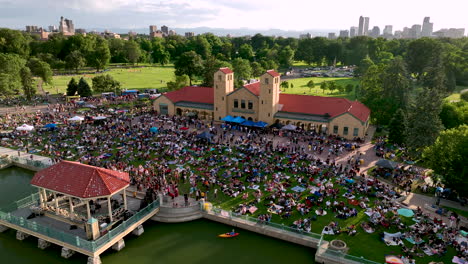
138, 231
67, 253
94, 260
21, 236
3, 228
42, 244
119, 245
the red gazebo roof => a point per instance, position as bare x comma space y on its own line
80, 180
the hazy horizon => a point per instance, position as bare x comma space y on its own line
296, 15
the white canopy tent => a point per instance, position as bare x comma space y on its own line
99, 117
25, 127
76, 118
289, 127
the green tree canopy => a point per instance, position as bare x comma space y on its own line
10, 77
100, 56
179, 82
41, 69
190, 64
285, 56
72, 87
84, 90
448, 157
132, 51
397, 127
242, 69
105, 83
210, 66
75, 60
29, 89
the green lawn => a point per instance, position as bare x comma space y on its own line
300, 87
133, 78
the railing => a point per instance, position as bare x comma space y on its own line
336, 254
33, 163
232, 215
92, 246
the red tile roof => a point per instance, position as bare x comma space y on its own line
273, 73
192, 94
80, 180
253, 87
317, 105
226, 70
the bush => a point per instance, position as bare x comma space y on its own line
464, 96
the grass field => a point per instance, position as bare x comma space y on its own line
300, 87
134, 78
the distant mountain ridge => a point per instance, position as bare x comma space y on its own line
223, 32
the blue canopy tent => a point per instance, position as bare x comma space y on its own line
248, 123
50, 126
227, 118
238, 120
154, 130
260, 124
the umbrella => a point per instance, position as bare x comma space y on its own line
393, 260
25, 127
405, 212
384, 163
248, 123
50, 126
76, 118
154, 129
239, 120
289, 127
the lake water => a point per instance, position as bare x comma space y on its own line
191, 242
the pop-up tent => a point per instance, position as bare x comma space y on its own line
227, 118
25, 127
205, 135
76, 118
384, 163
50, 126
248, 123
238, 120
154, 130
289, 127
260, 124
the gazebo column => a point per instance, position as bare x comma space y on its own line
41, 198
125, 198
56, 203
109, 207
88, 210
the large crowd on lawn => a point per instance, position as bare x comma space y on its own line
291, 176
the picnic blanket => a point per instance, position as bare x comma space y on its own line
392, 239
298, 189
411, 240
458, 260
353, 202
317, 212
427, 251
255, 187
253, 209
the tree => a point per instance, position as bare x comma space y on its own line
424, 124
10, 78
447, 157
257, 69
285, 56
83, 88
396, 85
179, 82
324, 86
421, 53
311, 85
160, 54
464, 96
75, 60
397, 127
284, 84
246, 52
132, 51
105, 83
29, 89
349, 88
190, 64
210, 66
100, 56
72, 87
13, 41
242, 69
41, 69
331, 86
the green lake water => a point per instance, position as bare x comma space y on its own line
187, 243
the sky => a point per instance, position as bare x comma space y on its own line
254, 14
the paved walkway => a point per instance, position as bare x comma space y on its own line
23, 154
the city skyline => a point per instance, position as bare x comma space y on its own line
224, 14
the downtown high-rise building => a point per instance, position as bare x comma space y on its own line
153, 28
344, 33
66, 26
375, 32
353, 32
388, 30
366, 26
165, 30
361, 26
427, 27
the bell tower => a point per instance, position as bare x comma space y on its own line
269, 96
223, 85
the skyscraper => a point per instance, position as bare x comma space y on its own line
361, 26
427, 27
375, 33
353, 31
165, 30
388, 30
153, 28
415, 32
366, 26
66, 26
344, 33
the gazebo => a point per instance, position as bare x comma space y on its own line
73, 185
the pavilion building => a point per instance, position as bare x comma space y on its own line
263, 101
